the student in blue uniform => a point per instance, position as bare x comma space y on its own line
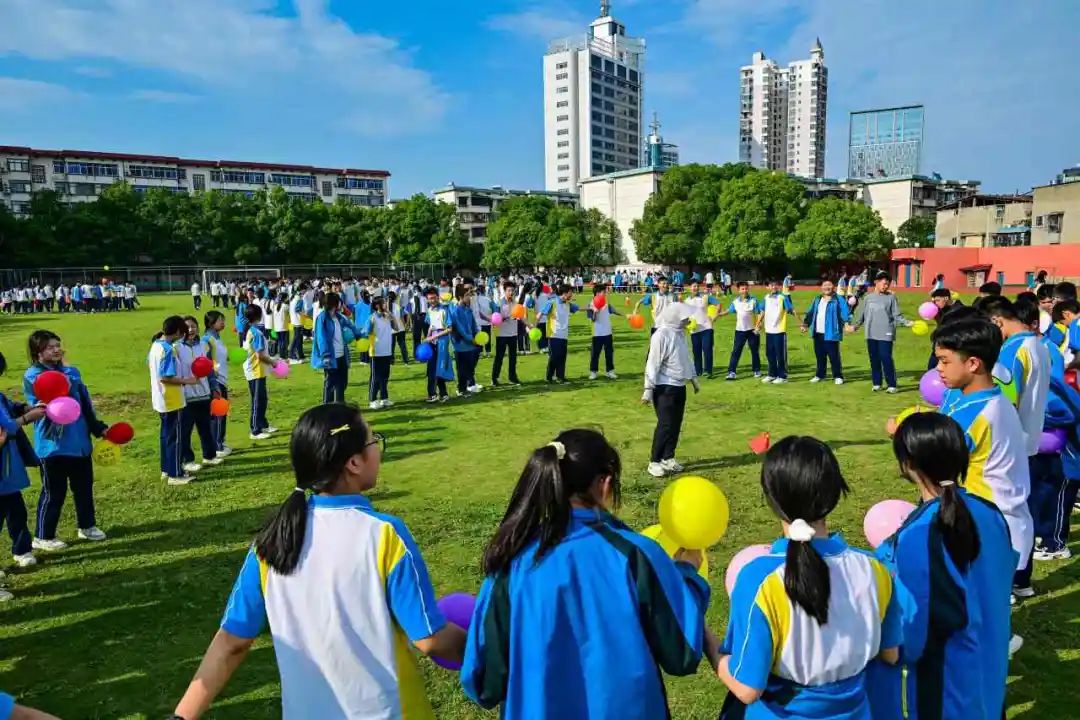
440, 369
807, 618
464, 329
579, 614
555, 316
331, 336
15, 454
825, 320
954, 561
214, 346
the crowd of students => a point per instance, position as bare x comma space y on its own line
105, 296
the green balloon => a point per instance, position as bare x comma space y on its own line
237, 355
534, 334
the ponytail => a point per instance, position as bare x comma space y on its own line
281, 540
806, 580
957, 527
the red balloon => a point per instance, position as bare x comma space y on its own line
50, 385
759, 444
120, 433
1072, 378
637, 322
546, 289
202, 367
599, 302
219, 407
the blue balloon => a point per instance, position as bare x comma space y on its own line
424, 352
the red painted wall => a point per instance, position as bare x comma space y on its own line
1059, 261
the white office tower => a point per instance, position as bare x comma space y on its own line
593, 100
782, 114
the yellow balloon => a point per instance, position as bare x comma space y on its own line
692, 325
655, 532
106, 453
955, 296
920, 328
481, 338
914, 409
307, 323
447, 297
363, 344
693, 512
712, 311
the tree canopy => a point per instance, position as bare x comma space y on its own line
918, 230
532, 230
758, 212
836, 229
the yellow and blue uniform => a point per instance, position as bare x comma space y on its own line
807, 670
585, 632
255, 374
14, 456
342, 622
1023, 367
956, 623
168, 400
998, 468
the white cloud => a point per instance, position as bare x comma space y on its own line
164, 96
21, 94
538, 23
241, 51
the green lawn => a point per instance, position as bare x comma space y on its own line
115, 629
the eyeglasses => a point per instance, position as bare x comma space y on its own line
377, 439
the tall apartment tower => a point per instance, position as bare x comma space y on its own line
594, 94
782, 114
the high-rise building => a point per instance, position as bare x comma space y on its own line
782, 114
593, 100
885, 143
659, 154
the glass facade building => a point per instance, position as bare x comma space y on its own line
885, 143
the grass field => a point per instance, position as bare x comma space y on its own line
116, 629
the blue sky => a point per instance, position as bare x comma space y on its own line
435, 91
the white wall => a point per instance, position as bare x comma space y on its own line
621, 199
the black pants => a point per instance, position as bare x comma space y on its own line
218, 424
522, 338
776, 354
465, 363
419, 332
434, 382
196, 300
13, 514
379, 387
296, 347
881, 362
607, 344
743, 338
399, 340
57, 472
487, 345
544, 343
259, 400
669, 402
556, 366
196, 416
702, 344
827, 350
335, 380
282, 349
503, 346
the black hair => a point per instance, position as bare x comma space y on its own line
932, 446
742, 283
941, 293
461, 291
990, 288
3, 364
598, 288
1028, 296
882, 275
998, 306
331, 301
1065, 290
973, 337
802, 480
210, 319
1045, 292
172, 325
431, 290
540, 505
253, 313
1065, 306
378, 303
187, 328
38, 341
1041, 276
319, 455
562, 289
509, 284
1027, 310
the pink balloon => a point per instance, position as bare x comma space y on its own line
281, 370
928, 310
496, 318
884, 519
63, 410
740, 560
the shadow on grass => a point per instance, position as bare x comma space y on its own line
750, 458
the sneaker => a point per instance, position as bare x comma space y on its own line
444, 398
224, 452
465, 394
5, 596
768, 379
730, 376
1015, 643
192, 467
874, 388
1044, 554
270, 429
514, 383
815, 379
838, 381
25, 560
476, 387
433, 399
217, 460
164, 475
1023, 592
592, 376
374, 405
48, 545
672, 465
1012, 600
611, 374
387, 403
757, 374
294, 361
91, 533
182, 480
779, 381
891, 390
656, 470
259, 436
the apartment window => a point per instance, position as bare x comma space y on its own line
478, 232
561, 76
84, 189
37, 174
62, 188
18, 165
562, 118
19, 186
292, 180
621, 71
1038, 221
94, 169
563, 143
595, 61
327, 188
564, 156
156, 173
560, 89
563, 168
352, 183
215, 176
198, 181
564, 179
564, 131
562, 103
560, 66
236, 176
609, 67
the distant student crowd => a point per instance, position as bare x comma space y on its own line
105, 296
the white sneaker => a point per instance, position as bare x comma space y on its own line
874, 388
182, 480
611, 374
1023, 592
592, 376
24, 560
672, 465
768, 379
838, 381
433, 399
387, 403
93, 534
270, 429
757, 375
217, 460
779, 381
260, 436
294, 361
1062, 554
5, 596
815, 379
192, 467
476, 388
891, 390
656, 470
374, 405
48, 545
224, 452
1015, 643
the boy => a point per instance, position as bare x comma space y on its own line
880, 311
439, 326
747, 310
777, 306
556, 315
601, 339
825, 320
967, 351
506, 336
701, 330
656, 300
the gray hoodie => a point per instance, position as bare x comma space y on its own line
880, 312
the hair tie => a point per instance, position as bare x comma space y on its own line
560, 449
947, 483
800, 531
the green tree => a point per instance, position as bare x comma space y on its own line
757, 213
836, 229
518, 232
917, 230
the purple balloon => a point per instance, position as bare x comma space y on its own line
1052, 441
458, 609
931, 387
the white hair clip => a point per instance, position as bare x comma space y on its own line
947, 483
560, 449
800, 531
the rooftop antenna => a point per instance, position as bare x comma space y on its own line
605, 8
655, 124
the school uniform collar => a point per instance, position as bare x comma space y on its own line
832, 545
587, 516
339, 501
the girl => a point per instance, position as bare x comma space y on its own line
954, 558
466, 351
807, 618
15, 454
281, 326
601, 334
439, 326
612, 608
296, 321
381, 326
214, 347
167, 397
295, 577
196, 414
64, 449
667, 370
330, 348
259, 361
398, 317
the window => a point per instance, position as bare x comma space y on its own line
215, 176
633, 76
595, 61
609, 67
18, 186
463, 201
85, 189
564, 131
564, 179
562, 103
560, 66
157, 173
560, 89
563, 168
38, 174
1038, 221
561, 76
563, 156
62, 188
237, 176
478, 232
18, 165
359, 183
562, 118
94, 169
621, 71
198, 181
327, 188
292, 180
563, 143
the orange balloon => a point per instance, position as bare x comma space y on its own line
518, 313
219, 407
636, 321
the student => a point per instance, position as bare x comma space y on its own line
879, 311
667, 370
330, 347
462, 337
281, 325
64, 450
256, 365
825, 320
196, 295
296, 323
967, 351
775, 310
612, 608
601, 335
555, 315
942, 297
482, 308
439, 325
506, 336
990, 289
15, 454
214, 347
541, 298
296, 577
747, 310
381, 326
398, 318
952, 557
197, 395
167, 397
657, 300
701, 331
